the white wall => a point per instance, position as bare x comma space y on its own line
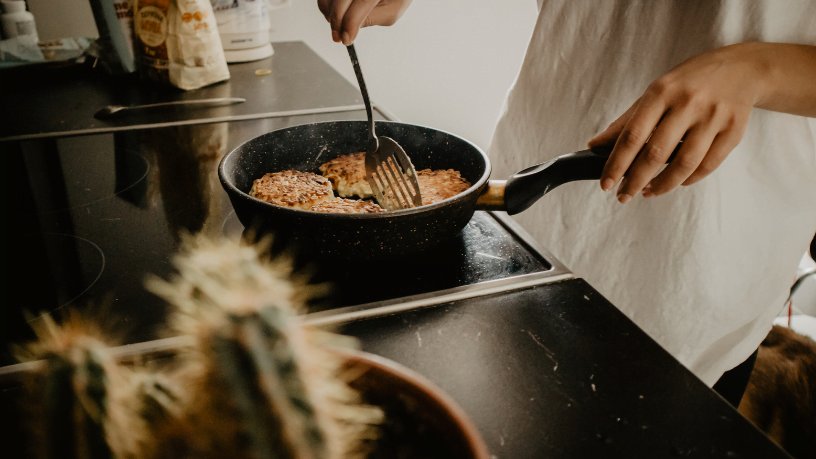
57, 19
446, 64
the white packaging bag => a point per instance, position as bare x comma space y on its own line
194, 46
181, 46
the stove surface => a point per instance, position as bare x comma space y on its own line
88, 218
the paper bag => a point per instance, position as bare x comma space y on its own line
179, 42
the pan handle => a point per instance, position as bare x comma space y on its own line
526, 187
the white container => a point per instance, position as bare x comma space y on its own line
17, 21
244, 27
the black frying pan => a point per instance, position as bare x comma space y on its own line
306, 147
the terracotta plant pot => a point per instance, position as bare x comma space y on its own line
421, 420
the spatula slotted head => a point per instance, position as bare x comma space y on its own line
392, 177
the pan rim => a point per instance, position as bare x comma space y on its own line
474, 188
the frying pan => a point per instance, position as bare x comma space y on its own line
395, 233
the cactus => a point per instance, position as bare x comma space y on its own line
257, 385
261, 385
78, 395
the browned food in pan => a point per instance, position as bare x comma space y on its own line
298, 190
436, 186
348, 175
348, 206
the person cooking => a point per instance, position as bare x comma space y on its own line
703, 269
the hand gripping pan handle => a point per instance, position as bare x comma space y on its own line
526, 187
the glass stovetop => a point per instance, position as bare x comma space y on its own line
88, 218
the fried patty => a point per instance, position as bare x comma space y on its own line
298, 190
434, 186
438, 185
348, 176
348, 206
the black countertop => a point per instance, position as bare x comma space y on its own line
556, 371
58, 104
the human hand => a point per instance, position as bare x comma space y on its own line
704, 101
348, 16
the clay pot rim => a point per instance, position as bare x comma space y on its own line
461, 418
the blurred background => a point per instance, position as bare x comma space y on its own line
446, 63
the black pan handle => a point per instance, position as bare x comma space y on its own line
526, 187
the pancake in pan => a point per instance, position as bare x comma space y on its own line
348, 176
438, 185
297, 190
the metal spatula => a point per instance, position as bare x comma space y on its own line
388, 169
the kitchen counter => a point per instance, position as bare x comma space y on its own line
297, 85
542, 363
556, 371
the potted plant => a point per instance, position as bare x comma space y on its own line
253, 382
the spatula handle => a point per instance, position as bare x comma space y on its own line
526, 187
373, 143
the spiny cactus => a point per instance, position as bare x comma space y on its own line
78, 399
261, 385
258, 385
158, 397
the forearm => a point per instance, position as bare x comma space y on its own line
788, 75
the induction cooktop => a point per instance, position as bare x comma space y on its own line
88, 218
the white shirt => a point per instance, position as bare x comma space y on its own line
703, 269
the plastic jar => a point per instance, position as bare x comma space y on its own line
16, 20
